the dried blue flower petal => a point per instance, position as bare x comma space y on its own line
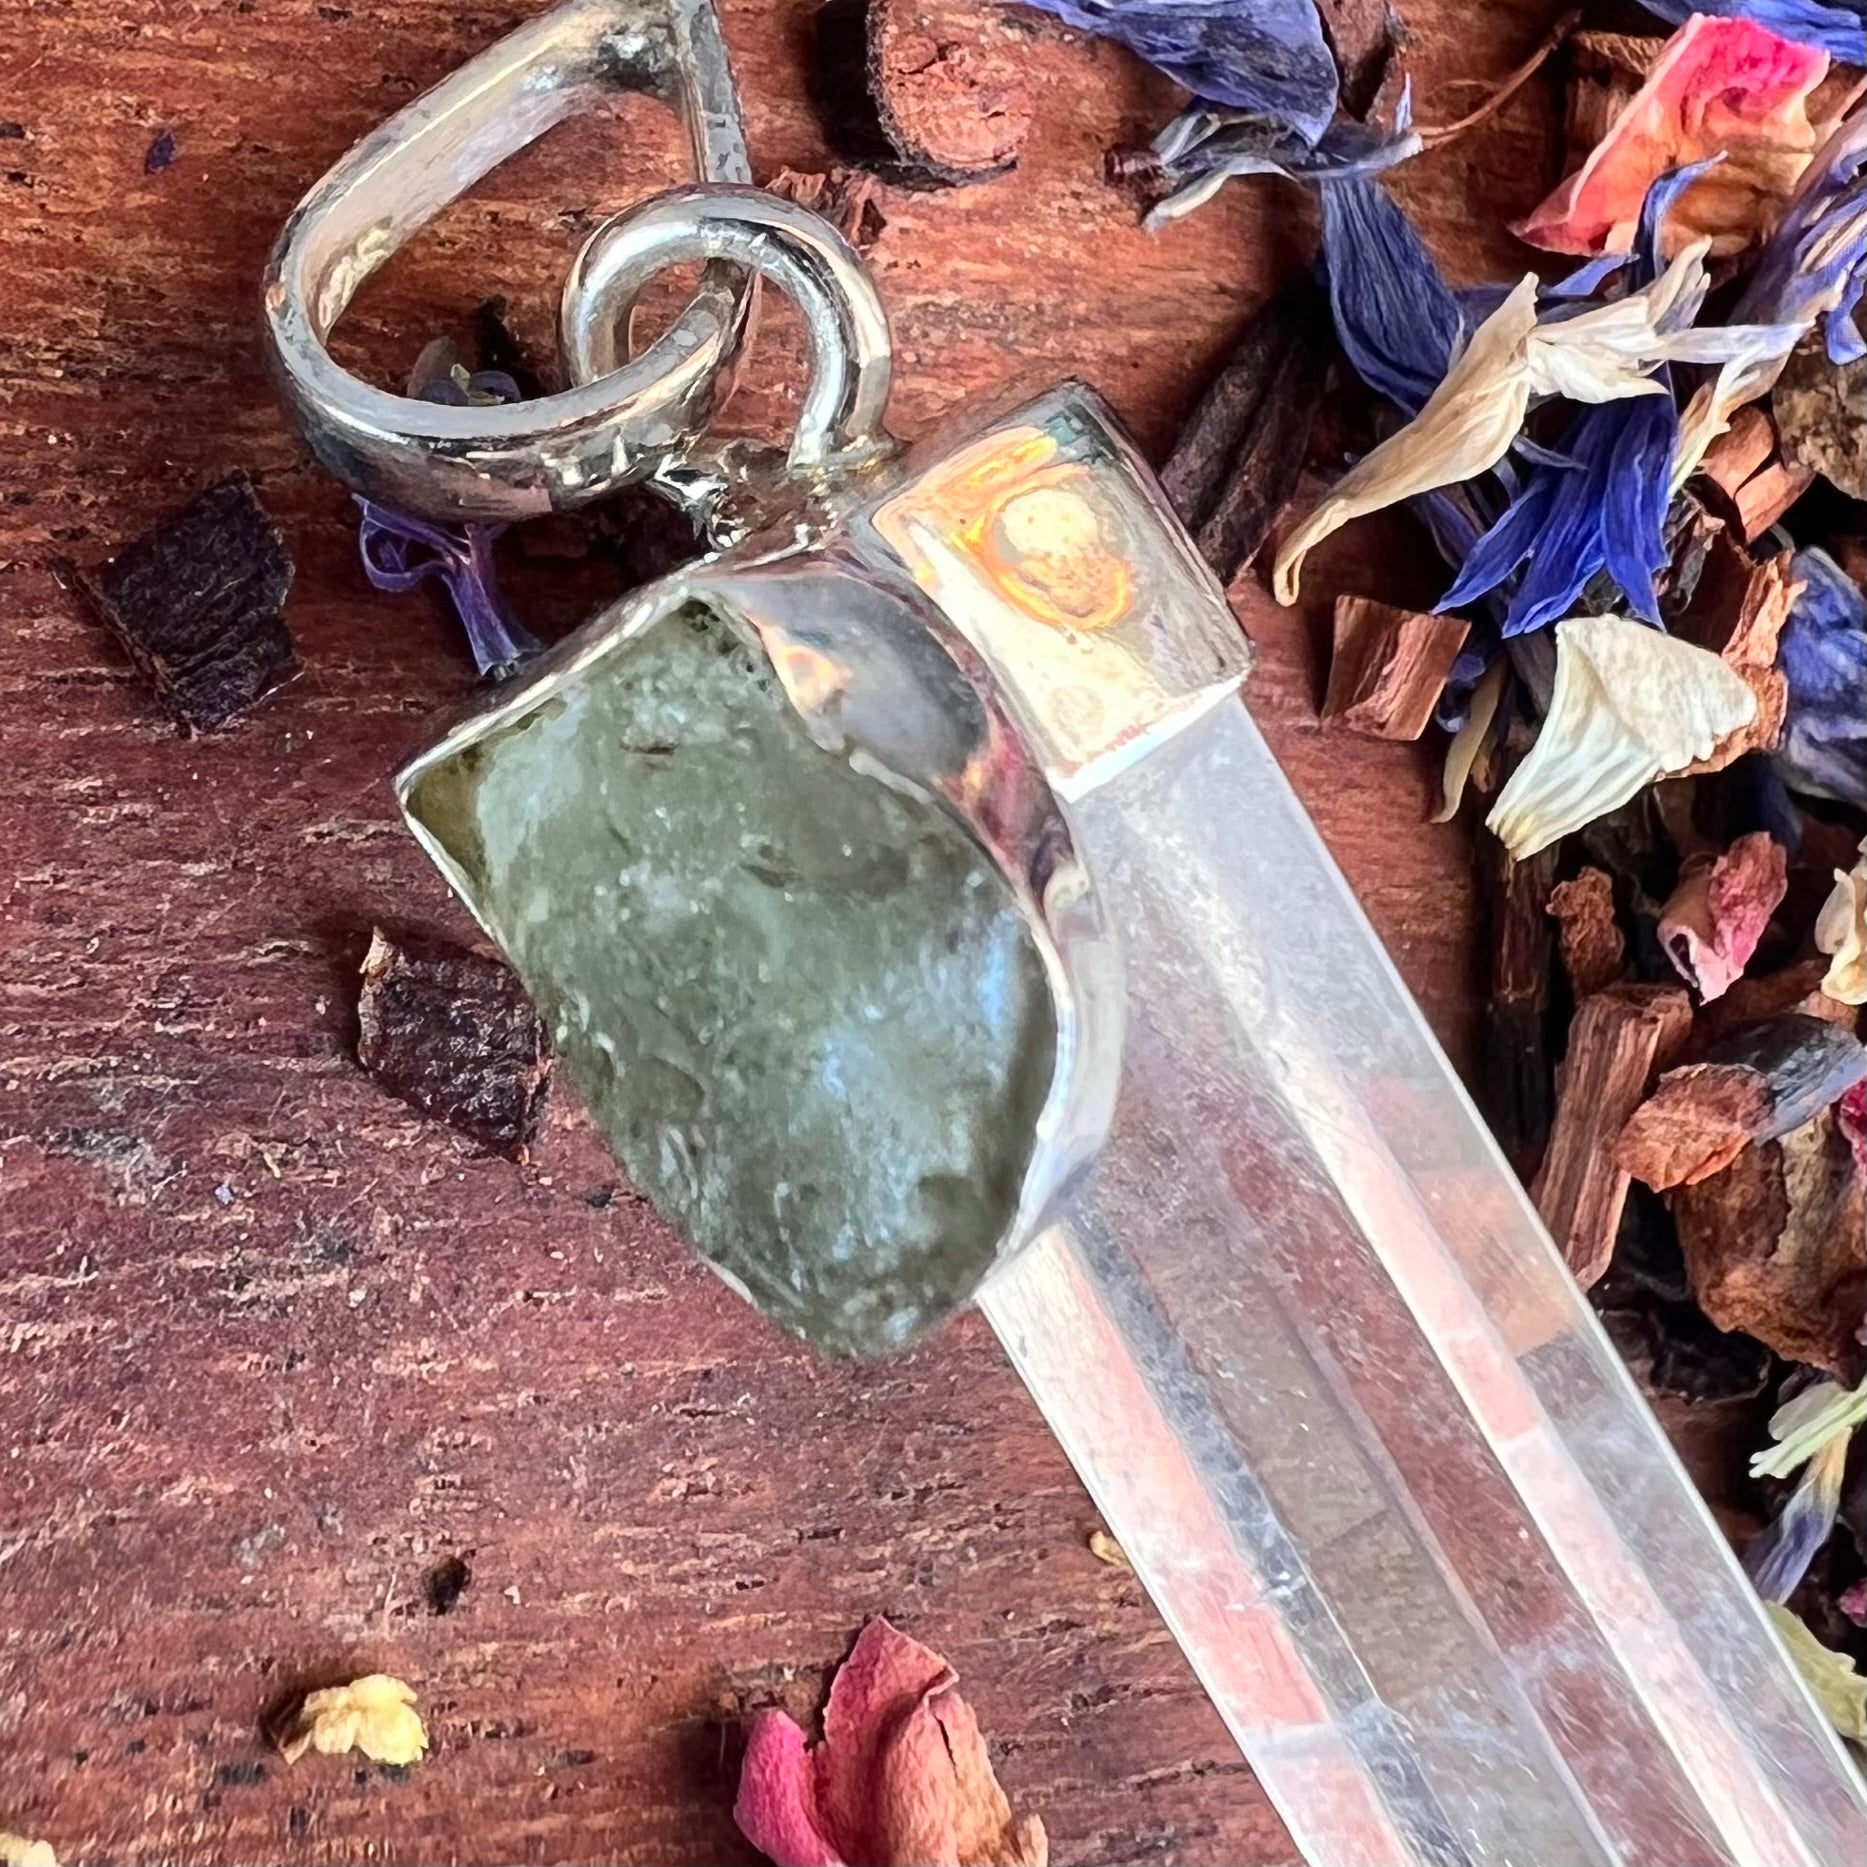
1268, 57
1396, 320
1839, 27
1815, 262
400, 551
1602, 508
1203, 148
1605, 513
1823, 657
482, 389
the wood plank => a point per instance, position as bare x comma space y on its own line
275, 1347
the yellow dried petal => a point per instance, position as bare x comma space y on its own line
17, 1851
375, 1714
1630, 705
1841, 933
1839, 1689
1104, 1548
1470, 741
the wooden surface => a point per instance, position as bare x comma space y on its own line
270, 1346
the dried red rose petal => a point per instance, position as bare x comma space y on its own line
901, 1778
1711, 925
1728, 88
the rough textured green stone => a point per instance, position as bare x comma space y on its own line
804, 1010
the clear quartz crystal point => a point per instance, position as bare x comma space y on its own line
1301, 1332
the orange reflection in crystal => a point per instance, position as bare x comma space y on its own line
1038, 530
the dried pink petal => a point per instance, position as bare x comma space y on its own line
776, 1807
901, 1778
1728, 88
1851, 1118
1717, 914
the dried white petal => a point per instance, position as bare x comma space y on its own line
1802, 1426
1466, 427
1630, 705
1602, 354
1606, 352
1841, 933
17, 1851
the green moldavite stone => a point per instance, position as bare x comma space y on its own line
805, 1011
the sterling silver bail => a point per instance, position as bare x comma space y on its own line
621, 417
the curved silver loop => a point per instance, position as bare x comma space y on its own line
560, 450
800, 252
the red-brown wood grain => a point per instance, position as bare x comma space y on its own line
270, 1345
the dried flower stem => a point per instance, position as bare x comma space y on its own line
1551, 43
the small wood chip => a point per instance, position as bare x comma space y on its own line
1594, 952
1776, 1246
198, 605
1389, 667
1617, 1042
945, 84
452, 1034
1695, 1123
1737, 610
849, 199
1755, 1085
1750, 481
1744, 448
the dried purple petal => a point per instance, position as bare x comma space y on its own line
481, 389
1837, 26
1823, 657
1396, 320
1268, 57
160, 153
400, 552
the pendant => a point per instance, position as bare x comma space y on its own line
924, 918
